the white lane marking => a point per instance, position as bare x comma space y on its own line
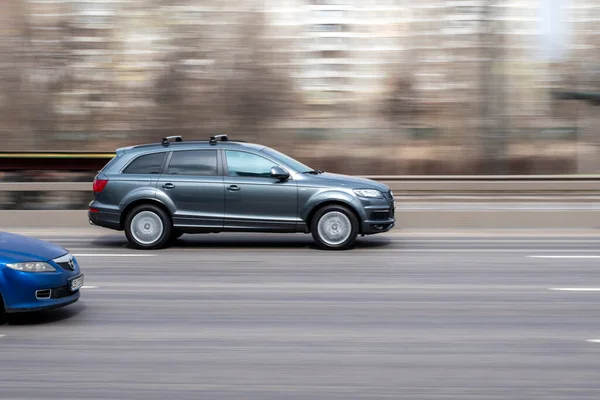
593, 340
113, 255
94, 249
1, 336
80, 239
89, 287
567, 256
574, 289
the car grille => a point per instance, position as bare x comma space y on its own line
66, 266
62, 291
66, 262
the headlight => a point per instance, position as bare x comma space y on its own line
369, 193
32, 267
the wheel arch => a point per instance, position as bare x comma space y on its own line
313, 211
154, 202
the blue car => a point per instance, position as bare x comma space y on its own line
36, 275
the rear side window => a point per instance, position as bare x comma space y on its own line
193, 162
109, 164
148, 164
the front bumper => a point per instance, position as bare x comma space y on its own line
22, 291
380, 215
371, 227
48, 306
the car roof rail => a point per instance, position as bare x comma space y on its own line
165, 140
221, 138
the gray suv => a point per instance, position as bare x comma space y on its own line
157, 192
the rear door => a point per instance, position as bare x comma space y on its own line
193, 181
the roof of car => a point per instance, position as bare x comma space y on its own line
188, 145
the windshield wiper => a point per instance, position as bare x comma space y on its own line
314, 172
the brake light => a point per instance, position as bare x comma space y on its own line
99, 185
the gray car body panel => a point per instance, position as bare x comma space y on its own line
234, 203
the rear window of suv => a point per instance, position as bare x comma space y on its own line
148, 164
193, 162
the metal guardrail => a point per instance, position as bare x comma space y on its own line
61, 161
400, 185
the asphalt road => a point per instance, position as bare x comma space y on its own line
410, 316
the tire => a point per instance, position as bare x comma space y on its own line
154, 227
2, 311
334, 227
175, 235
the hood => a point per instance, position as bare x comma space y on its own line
346, 181
17, 248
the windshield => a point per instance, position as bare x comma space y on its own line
287, 160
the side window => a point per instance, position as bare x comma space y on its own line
148, 164
240, 163
193, 162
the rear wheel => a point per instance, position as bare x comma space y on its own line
334, 227
148, 227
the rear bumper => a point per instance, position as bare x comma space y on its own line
371, 227
105, 219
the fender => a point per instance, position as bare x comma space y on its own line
327, 196
146, 193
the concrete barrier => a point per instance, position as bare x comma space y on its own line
407, 218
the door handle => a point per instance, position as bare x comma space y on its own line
233, 188
169, 186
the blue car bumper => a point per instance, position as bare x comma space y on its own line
26, 291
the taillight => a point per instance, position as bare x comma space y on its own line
99, 185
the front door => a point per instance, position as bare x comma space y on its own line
192, 182
253, 199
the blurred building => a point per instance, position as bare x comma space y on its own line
470, 78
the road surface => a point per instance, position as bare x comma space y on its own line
444, 315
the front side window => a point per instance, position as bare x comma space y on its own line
148, 164
287, 160
193, 162
240, 163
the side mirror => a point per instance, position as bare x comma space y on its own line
279, 173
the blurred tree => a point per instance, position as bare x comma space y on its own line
257, 93
12, 98
400, 106
492, 87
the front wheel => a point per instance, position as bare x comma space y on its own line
334, 227
148, 227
